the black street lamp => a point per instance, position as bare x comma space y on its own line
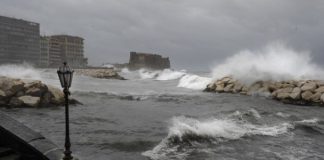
65, 74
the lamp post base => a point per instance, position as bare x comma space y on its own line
67, 155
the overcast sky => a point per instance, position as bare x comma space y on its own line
195, 34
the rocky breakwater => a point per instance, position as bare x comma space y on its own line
104, 73
19, 93
303, 92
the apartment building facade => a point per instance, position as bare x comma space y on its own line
19, 41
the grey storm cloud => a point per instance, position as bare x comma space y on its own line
193, 33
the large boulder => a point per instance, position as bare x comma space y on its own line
295, 94
320, 89
237, 87
30, 101
2, 94
322, 98
229, 88
282, 93
220, 87
310, 86
316, 97
16, 102
11, 86
35, 88
56, 95
211, 87
254, 88
307, 95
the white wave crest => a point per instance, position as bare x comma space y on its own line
125, 70
194, 82
23, 71
274, 62
161, 75
226, 129
222, 128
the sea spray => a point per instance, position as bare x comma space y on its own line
161, 75
22, 71
185, 132
194, 82
275, 62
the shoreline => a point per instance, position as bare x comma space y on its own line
302, 92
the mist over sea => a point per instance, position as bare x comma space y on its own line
163, 115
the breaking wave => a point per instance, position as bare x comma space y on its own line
23, 71
186, 132
161, 75
194, 82
274, 62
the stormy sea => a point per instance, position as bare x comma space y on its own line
165, 115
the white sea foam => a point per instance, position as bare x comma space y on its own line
194, 82
125, 70
161, 75
222, 128
168, 74
146, 74
226, 129
23, 71
274, 62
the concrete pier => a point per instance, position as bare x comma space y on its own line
17, 141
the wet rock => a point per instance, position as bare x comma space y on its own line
103, 73
254, 88
35, 88
2, 94
309, 92
283, 95
316, 97
211, 87
226, 79
238, 87
307, 95
220, 87
229, 88
320, 83
10, 86
30, 101
310, 86
322, 98
29, 93
57, 96
320, 89
15, 102
295, 94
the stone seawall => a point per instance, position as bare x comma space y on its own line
303, 92
19, 93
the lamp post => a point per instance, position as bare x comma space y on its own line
65, 74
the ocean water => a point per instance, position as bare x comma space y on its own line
164, 115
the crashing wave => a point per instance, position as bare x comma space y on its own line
275, 62
194, 82
188, 131
22, 71
162, 75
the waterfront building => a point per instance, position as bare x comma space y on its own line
72, 50
19, 41
44, 51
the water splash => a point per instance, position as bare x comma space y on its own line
194, 82
22, 71
275, 62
